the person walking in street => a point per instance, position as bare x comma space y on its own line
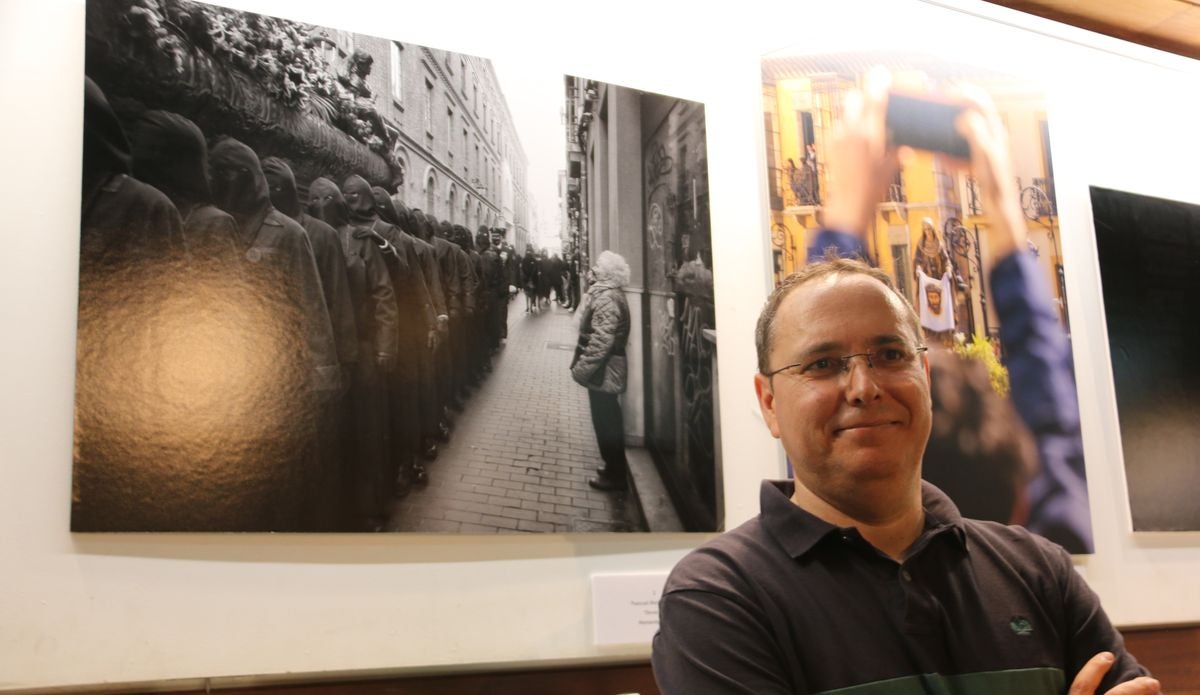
600, 364
529, 279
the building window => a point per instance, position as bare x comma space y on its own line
397, 74
431, 194
462, 75
450, 132
475, 97
464, 150
429, 108
450, 196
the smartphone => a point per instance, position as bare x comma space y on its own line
925, 124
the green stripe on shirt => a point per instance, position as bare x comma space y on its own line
1026, 681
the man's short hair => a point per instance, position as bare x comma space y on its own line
764, 333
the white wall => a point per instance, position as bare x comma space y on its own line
89, 609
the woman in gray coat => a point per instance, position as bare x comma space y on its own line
600, 364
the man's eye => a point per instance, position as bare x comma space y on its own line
892, 356
821, 366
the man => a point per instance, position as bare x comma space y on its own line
857, 577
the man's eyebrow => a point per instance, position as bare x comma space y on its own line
838, 346
887, 339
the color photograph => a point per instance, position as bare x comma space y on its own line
331, 282
1006, 444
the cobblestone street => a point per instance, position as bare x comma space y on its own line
523, 447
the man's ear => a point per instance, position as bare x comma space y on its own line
766, 402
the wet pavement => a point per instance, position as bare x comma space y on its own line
523, 447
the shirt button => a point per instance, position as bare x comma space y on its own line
906, 575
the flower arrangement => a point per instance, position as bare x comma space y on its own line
288, 59
982, 350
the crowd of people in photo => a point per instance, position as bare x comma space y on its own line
397, 314
544, 272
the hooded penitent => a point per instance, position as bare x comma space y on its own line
124, 221
239, 186
385, 208
359, 200
277, 246
326, 203
282, 185
376, 320
329, 255
169, 153
105, 147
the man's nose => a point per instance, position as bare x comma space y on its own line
860, 384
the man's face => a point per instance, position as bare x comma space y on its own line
857, 431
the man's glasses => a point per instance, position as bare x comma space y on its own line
893, 358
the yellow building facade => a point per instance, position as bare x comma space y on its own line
802, 102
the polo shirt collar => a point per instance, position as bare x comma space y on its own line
798, 531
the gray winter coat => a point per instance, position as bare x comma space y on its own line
599, 362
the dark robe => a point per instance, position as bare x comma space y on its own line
328, 253
335, 285
124, 221
415, 320
492, 271
281, 276
127, 473
278, 246
365, 486
430, 411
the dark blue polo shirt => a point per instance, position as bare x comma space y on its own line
788, 603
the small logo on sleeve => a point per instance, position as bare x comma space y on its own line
1021, 626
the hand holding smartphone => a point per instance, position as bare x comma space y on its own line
925, 123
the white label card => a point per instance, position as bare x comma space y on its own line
625, 607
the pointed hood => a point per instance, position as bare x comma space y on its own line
359, 199
105, 147
282, 184
385, 207
169, 153
326, 203
239, 186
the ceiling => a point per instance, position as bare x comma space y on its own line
1168, 25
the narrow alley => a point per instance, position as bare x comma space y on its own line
523, 447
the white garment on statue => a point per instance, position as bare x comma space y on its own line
940, 318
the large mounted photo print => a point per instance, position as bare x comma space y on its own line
1005, 444
1149, 253
331, 282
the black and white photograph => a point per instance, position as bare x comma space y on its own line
1149, 253
331, 282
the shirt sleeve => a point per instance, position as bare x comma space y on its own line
842, 244
1090, 631
1042, 379
714, 644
